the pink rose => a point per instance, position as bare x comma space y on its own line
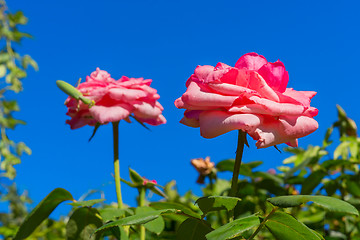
114, 100
252, 97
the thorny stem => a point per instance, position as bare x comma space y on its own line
116, 163
263, 223
239, 153
235, 177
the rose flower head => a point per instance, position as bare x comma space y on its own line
252, 97
114, 100
204, 168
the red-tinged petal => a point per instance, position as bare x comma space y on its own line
198, 95
232, 90
293, 143
154, 121
194, 114
251, 61
298, 96
267, 107
100, 75
145, 110
207, 74
275, 75
125, 94
257, 83
277, 109
105, 114
311, 112
309, 94
179, 103
285, 129
215, 123
158, 105
190, 122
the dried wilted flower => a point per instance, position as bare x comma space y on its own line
204, 167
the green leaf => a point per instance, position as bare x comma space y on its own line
42, 211
178, 206
328, 203
335, 163
193, 229
353, 188
135, 177
214, 203
111, 213
312, 181
228, 165
2, 70
284, 227
136, 219
342, 150
156, 226
87, 203
27, 60
234, 228
82, 224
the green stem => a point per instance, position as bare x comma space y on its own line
262, 223
239, 153
142, 191
116, 163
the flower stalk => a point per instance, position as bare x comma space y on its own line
238, 158
142, 191
117, 163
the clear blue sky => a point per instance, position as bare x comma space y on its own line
318, 41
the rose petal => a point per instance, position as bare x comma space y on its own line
105, 114
251, 61
286, 129
230, 89
309, 94
190, 122
154, 121
145, 110
298, 96
257, 83
125, 94
215, 123
196, 95
275, 75
293, 143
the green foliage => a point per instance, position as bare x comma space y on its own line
88, 203
13, 69
284, 227
82, 223
193, 229
328, 203
136, 219
215, 203
42, 211
156, 226
234, 229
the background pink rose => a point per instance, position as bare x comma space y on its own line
252, 96
115, 100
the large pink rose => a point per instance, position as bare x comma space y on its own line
252, 96
114, 100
